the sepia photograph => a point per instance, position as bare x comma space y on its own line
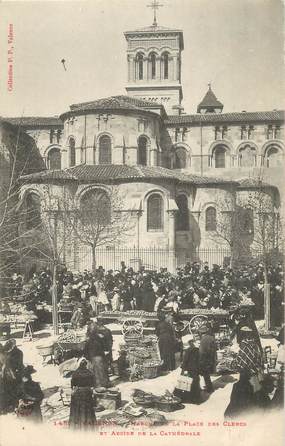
142, 162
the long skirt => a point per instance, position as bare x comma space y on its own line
241, 400
82, 414
98, 366
167, 352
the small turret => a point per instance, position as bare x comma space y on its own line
210, 103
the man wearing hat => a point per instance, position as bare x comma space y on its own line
207, 356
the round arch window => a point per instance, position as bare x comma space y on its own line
54, 159
95, 208
105, 150
142, 151
155, 212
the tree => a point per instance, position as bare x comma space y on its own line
19, 155
44, 236
223, 225
267, 237
99, 219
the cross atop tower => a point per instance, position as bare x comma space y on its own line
154, 5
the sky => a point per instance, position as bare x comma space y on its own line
237, 45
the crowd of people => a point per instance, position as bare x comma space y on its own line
254, 389
166, 294
192, 286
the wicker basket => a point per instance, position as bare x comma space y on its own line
151, 370
133, 340
168, 406
45, 350
147, 403
78, 346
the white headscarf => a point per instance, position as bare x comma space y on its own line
80, 361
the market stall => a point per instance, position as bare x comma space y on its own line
142, 352
15, 315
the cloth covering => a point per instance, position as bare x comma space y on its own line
248, 360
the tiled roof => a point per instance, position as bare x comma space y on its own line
215, 118
119, 172
36, 121
114, 103
209, 100
48, 175
253, 182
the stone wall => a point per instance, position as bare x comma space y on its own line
124, 130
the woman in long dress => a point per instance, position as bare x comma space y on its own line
30, 397
166, 342
102, 295
248, 363
82, 413
94, 352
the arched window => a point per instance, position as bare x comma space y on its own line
272, 157
95, 209
140, 66
247, 221
247, 156
152, 59
105, 150
180, 158
33, 206
72, 156
142, 151
211, 219
220, 156
182, 215
165, 62
54, 159
155, 213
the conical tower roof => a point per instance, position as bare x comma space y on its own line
210, 103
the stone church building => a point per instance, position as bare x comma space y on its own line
180, 175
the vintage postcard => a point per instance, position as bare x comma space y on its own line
142, 222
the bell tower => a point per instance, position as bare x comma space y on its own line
154, 64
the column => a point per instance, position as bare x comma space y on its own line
153, 157
161, 68
171, 241
175, 58
131, 68
157, 68
145, 72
